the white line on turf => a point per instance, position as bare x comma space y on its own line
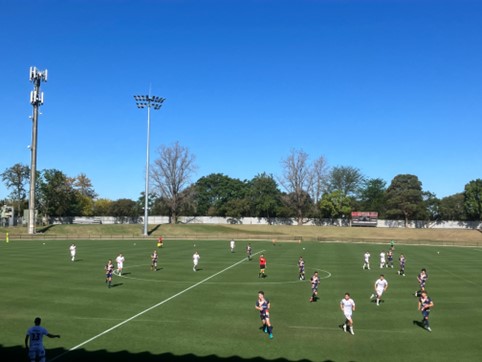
151, 308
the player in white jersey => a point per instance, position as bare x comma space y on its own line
120, 263
34, 341
232, 244
73, 251
195, 260
366, 265
383, 261
347, 305
381, 286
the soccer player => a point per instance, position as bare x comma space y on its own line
301, 268
401, 260
120, 263
109, 269
263, 305
160, 242
390, 258
383, 261
35, 349
73, 251
262, 266
366, 265
232, 244
424, 305
249, 251
422, 280
381, 286
195, 260
315, 281
154, 257
392, 245
347, 306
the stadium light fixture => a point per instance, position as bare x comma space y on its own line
156, 103
36, 100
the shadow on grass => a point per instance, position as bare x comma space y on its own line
18, 353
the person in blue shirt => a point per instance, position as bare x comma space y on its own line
34, 341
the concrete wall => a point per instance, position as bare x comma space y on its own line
154, 220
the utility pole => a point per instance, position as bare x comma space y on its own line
36, 100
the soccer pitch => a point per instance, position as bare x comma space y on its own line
176, 314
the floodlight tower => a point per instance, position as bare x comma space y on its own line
36, 100
156, 103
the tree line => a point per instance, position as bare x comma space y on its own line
304, 189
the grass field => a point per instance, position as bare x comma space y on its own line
175, 314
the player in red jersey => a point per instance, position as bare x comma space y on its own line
262, 266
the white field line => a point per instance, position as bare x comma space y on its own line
151, 308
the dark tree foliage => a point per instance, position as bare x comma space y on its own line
263, 196
404, 198
372, 196
124, 208
473, 200
215, 195
57, 195
452, 208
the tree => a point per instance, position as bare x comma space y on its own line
404, 197
320, 175
264, 196
345, 179
298, 180
84, 186
372, 196
171, 174
473, 200
430, 206
16, 178
124, 208
452, 208
102, 207
57, 196
335, 205
214, 195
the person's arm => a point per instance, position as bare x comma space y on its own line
26, 341
53, 335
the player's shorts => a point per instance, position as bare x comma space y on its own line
262, 266
264, 315
36, 354
108, 275
348, 315
425, 313
120, 265
379, 292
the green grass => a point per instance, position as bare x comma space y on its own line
210, 315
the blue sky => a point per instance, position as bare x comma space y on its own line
388, 87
